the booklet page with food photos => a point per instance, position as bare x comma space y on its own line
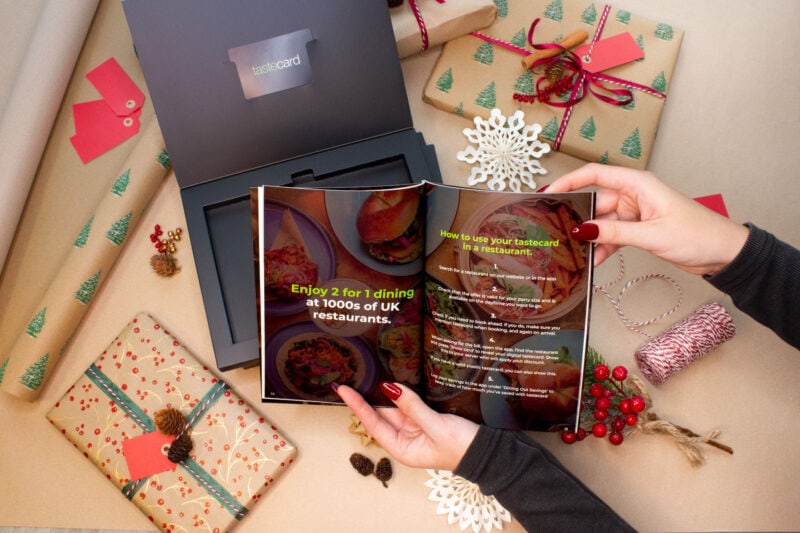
478, 300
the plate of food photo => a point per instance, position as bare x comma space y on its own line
528, 271
382, 229
297, 251
302, 361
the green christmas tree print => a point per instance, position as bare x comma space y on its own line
83, 236
119, 229
660, 83
632, 104
163, 159
524, 83
502, 7
87, 289
554, 10
445, 81
487, 97
3, 369
459, 110
603, 158
36, 324
550, 130
640, 43
121, 183
588, 129
34, 374
484, 54
589, 15
664, 31
520, 38
632, 146
623, 16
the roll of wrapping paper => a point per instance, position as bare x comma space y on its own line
32, 106
38, 348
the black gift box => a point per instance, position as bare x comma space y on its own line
252, 93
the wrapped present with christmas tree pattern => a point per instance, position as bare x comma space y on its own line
423, 24
599, 101
175, 439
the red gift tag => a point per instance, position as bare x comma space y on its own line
715, 203
146, 454
116, 87
103, 124
609, 52
98, 128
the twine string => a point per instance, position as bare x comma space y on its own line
616, 300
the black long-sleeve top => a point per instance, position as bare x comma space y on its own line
763, 281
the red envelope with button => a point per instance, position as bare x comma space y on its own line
103, 124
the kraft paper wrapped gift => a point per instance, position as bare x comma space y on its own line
474, 75
437, 22
236, 453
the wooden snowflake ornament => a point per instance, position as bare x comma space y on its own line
505, 149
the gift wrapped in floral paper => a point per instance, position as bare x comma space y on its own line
420, 24
116, 414
601, 101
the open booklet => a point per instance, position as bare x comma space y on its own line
479, 300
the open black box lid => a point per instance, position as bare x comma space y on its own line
249, 93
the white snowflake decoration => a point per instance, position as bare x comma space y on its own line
507, 149
463, 502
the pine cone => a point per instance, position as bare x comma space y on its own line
362, 464
180, 448
164, 265
170, 421
383, 471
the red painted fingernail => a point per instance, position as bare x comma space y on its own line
586, 231
543, 188
391, 391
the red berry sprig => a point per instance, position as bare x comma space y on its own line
163, 262
612, 405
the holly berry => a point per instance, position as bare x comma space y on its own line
600, 414
637, 404
619, 373
615, 438
618, 424
599, 430
581, 433
603, 403
625, 405
569, 437
631, 419
596, 390
601, 372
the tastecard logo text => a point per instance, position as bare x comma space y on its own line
273, 65
260, 70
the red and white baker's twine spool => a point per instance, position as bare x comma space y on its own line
684, 342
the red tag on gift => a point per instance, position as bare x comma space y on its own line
116, 87
609, 53
98, 128
103, 124
146, 454
715, 203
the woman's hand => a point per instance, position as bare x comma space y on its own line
413, 433
634, 208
